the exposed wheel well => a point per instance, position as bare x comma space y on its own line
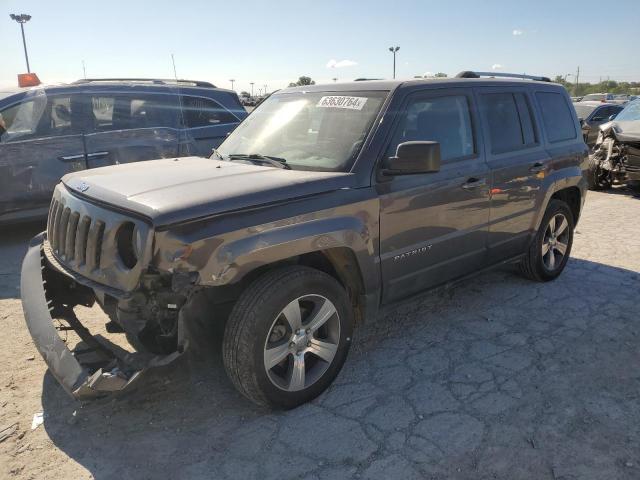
571, 196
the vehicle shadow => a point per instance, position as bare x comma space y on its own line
622, 190
14, 241
187, 421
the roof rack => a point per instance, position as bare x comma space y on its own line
159, 81
470, 74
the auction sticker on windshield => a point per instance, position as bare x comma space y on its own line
352, 103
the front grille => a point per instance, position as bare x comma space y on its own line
75, 240
83, 238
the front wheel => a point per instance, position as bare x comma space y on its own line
287, 336
550, 249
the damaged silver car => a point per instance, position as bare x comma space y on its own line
615, 159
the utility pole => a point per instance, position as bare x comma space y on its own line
22, 19
394, 50
577, 81
232, 80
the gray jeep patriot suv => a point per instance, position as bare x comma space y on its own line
324, 204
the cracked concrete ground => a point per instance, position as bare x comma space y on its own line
497, 377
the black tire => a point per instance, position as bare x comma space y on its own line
533, 265
251, 325
597, 178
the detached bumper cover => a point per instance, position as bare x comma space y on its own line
119, 368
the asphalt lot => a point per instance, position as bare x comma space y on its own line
497, 377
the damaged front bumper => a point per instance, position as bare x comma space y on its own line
49, 294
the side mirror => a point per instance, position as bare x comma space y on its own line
612, 117
414, 157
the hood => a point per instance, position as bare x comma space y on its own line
174, 190
625, 130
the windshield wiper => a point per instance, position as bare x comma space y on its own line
256, 157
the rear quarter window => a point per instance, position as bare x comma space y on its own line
203, 112
556, 116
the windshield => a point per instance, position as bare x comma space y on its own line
310, 131
631, 112
583, 111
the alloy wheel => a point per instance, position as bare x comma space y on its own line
302, 343
555, 242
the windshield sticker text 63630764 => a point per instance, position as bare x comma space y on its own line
341, 101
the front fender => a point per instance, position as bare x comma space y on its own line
234, 259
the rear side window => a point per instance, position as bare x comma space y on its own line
125, 112
441, 119
509, 120
557, 118
203, 112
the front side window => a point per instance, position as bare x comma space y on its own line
310, 130
557, 118
445, 120
204, 112
40, 116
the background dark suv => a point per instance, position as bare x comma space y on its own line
50, 131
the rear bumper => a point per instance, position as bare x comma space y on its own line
47, 295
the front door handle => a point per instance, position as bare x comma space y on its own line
537, 167
97, 154
473, 183
71, 158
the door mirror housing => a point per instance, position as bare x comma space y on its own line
612, 117
414, 157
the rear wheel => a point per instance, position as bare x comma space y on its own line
550, 249
287, 336
597, 177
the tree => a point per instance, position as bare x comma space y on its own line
245, 94
440, 75
302, 81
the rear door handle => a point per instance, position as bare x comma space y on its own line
537, 167
71, 158
97, 154
473, 183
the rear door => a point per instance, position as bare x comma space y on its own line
433, 226
518, 162
206, 122
42, 143
131, 127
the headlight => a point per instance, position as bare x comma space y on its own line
129, 244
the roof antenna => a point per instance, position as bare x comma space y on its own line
173, 61
182, 120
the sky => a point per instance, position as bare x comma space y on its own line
274, 42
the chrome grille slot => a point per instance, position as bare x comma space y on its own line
54, 231
94, 245
61, 230
81, 240
70, 243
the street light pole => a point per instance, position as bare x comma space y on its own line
232, 80
251, 83
22, 19
394, 51
265, 89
